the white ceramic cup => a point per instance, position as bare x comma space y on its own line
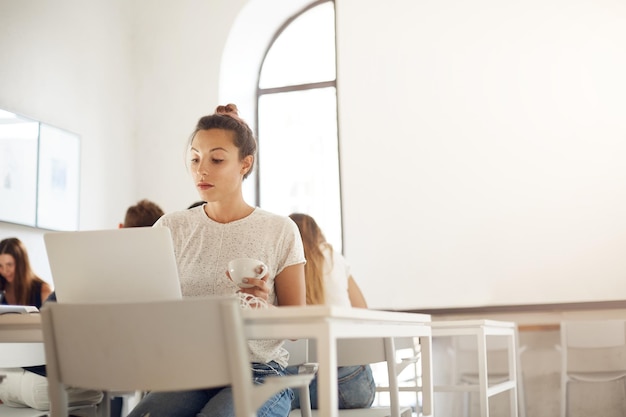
241, 268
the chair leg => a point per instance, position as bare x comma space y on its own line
104, 408
623, 396
467, 403
305, 402
563, 398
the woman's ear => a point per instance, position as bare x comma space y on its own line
246, 163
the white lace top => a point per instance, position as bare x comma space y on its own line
203, 248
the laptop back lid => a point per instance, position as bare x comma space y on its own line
118, 265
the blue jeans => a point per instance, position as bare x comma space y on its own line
355, 383
213, 402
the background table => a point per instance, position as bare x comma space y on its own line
480, 329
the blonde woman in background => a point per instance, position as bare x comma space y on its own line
328, 281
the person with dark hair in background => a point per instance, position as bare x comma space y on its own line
18, 283
143, 214
329, 281
28, 387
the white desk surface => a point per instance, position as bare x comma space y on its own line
317, 313
443, 324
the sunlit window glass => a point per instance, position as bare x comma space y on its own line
304, 52
299, 166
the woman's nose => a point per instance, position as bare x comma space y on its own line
202, 169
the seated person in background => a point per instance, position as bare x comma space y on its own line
328, 281
18, 282
26, 387
142, 214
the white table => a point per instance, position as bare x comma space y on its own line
327, 325
20, 328
481, 329
21, 340
324, 324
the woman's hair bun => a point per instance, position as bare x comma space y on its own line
229, 110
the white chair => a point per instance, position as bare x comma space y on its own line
407, 369
583, 339
167, 345
18, 355
350, 352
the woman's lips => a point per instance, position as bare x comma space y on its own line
204, 186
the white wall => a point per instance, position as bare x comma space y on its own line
178, 49
481, 141
482, 150
67, 63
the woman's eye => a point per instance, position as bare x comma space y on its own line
217, 161
194, 160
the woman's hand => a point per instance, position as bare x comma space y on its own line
259, 287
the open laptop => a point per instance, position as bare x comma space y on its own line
119, 265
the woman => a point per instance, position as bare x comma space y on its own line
328, 281
222, 150
18, 282
28, 387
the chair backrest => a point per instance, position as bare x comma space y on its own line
298, 351
592, 345
593, 334
152, 346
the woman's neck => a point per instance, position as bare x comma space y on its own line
226, 213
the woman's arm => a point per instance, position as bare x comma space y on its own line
356, 296
289, 285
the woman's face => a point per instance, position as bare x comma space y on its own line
7, 267
215, 165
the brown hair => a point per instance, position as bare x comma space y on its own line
144, 213
24, 275
227, 118
313, 240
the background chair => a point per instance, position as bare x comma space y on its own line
349, 352
585, 348
165, 349
407, 370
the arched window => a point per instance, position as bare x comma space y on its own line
298, 159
